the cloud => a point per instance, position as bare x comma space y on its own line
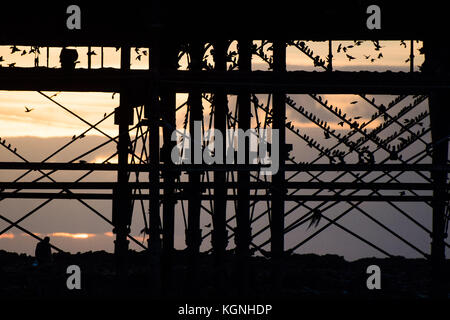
7, 236
72, 235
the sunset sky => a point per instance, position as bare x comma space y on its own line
72, 227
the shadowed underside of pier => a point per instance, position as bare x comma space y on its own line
170, 33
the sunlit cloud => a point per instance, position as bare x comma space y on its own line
102, 159
7, 236
72, 235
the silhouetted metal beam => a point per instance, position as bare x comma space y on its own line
122, 210
219, 236
436, 62
293, 82
251, 185
227, 167
243, 234
193, 232
279, 123
230, 197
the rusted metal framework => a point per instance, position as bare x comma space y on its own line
256, 211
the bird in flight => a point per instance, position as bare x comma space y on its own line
24, 52
341, 123
367, 57
353, 102
377, 45
28, 109
14, 49
350, 58
356, 118
380, 56
315, 218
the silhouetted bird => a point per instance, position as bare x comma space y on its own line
74, 137
11, 65
339, 47
24, 52
91, 53
353, 102
326, 134
315, 218
367, 57
14, 49
82, 136
402, 43
208, 225
350, 58
104, 116
341, 123
1, 59
83, 161
377, 46
380, 56
28, 110
358, 117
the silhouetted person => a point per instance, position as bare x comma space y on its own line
43, 251
68, 58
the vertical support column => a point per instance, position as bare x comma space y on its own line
193, 234
243, 234
244, 113
219, 235
122, 195
437, 63
153, 113
278, 191
330, 56
89, 57
168, 114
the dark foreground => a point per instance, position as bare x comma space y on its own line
298, 276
